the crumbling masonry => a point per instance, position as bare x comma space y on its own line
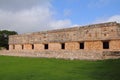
97, 41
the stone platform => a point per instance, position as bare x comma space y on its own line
64, 54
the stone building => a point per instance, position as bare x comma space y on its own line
102, 38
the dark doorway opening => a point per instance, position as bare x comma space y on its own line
32, 46
82, 45
105, 44
63, 46
45, 46
22, 46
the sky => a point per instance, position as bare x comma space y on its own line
26, 16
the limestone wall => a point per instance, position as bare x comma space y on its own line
92, 37
104, 31
39, 47
72, 46
18, 47
11, 47
66, 54
115, 45
54, 46
93, 45
27, 47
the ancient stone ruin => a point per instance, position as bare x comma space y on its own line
97, 41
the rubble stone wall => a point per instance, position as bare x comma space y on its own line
18, 47
39, 47
72, 46
93, 45
115, 45
27, 47
106, 31
54, 46
91, 37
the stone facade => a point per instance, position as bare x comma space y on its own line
96, 37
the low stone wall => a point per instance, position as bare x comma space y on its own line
65, 54
111, 54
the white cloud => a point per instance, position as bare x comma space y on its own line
16, 5
114, 18
36, 18
60, 24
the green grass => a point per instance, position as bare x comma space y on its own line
18, 68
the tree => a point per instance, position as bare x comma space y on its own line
4, 37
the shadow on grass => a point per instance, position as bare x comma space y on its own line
96, 70
106, 70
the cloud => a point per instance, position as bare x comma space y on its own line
30, 17
16, 5
60, 24
114, 18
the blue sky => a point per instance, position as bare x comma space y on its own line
26, 16
86, 11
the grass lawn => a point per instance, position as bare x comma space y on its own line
18, 68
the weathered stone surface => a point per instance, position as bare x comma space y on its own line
106, 31
92, 38
63, 54
111, 54
72, 45
27, 47
54, 46
115, 45
93, 45
39, 47
66, 54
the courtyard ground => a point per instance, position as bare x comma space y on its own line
22, 68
